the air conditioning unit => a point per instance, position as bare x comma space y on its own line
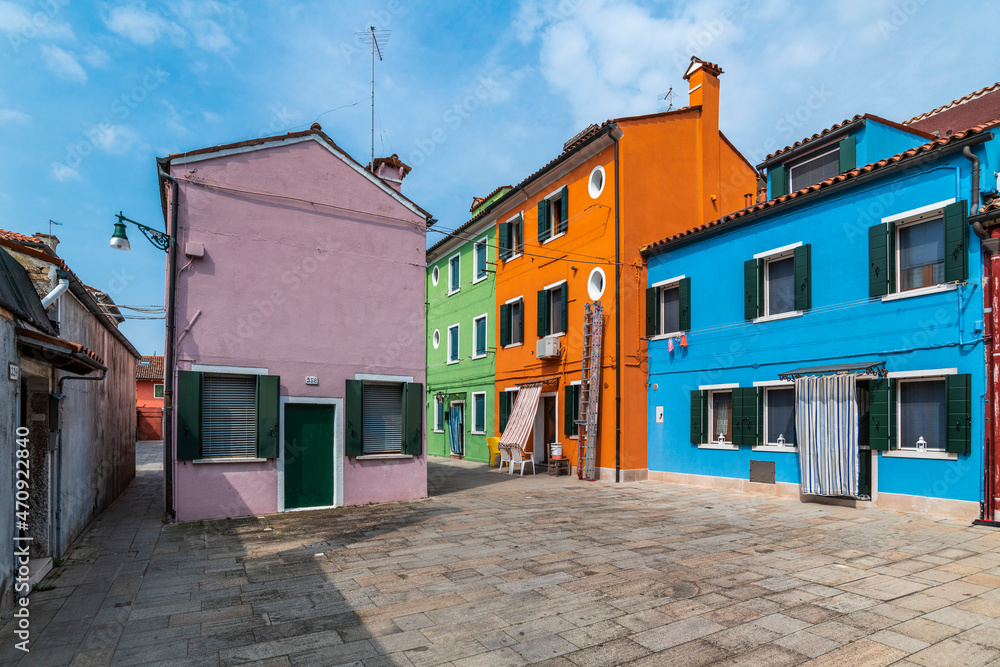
547, 347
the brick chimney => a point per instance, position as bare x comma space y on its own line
51, 240
392, 170
703, 91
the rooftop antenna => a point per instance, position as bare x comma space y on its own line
668, 97
373, 36
53, 222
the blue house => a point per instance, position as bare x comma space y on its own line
828, 343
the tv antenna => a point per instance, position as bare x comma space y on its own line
373, 37
53, 222
667, 97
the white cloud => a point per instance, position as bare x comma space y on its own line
10, 116
19, 20
211, 117
62, 173
143, 27
63, 64
96, 56
115, 139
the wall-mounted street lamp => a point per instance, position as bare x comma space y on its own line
119, 238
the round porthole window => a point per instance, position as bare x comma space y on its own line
595, 283
437, 337
435, 276
596, 184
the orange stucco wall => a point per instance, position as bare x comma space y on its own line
149, 411
675, 173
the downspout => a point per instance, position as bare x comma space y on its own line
59, 395
57, 291
168, 353
977, 226
616, 134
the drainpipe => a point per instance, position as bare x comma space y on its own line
61, 287
616, 134
168, 353
59, 395
977, 226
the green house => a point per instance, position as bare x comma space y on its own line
461, 307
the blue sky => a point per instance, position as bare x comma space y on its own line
472, 95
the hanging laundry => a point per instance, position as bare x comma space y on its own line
670, 345
684, 340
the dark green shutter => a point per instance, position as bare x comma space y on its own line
413, 419
956, 232
699, 416
543, 313
520, 323
543, 220
803, 281
738, 416
354, 398
503, 237
761, 436
503, 409
652, 311
569, 416
878, 260
745, 415
958, 393
684, 303
188, 415
848, 154
779, 180
505, 324
564, 212
267, 416
879, 414
564, 315
751, 295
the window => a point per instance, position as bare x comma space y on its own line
778, 282
817, 166
435, 276
553, 219
226, 415
479, 337
728, 411
454, 274
668, 307
453, 344
383, 418
779, 416
512, 322
439, 414
916, 413
922, 415
918, 250
436, 338
572, 410
510, 237
506, 404
479, 412
480, 256
157, 391
595, 186
596, 283
552, 310
720, 413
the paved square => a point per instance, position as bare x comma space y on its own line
500, 570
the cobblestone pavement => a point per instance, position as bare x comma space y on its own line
495, 570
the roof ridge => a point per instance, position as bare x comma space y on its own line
954, 103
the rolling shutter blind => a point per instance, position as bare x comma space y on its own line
956, 232
563, 221
958, 394
382, 429
229, 416
684, 303
652, 311
878, 260
505, 328
779, 181
848, 154
188, 415
803, 281
503, 234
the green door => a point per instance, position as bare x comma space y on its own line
308, 455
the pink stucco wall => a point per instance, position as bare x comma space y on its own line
328, 288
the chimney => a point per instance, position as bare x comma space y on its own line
703, 91
392, 170
51, 240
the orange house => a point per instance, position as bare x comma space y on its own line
149, 398
570, 234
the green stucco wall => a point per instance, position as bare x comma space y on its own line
458, 381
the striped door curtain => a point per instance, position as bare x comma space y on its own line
826, 432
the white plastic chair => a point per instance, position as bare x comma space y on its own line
517, 455
505, 458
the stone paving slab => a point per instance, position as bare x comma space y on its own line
501, 570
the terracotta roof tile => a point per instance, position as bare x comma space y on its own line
393, 160
712, 68
149, 371
990, 206
847, 175
954, 103
19, 238
848, 121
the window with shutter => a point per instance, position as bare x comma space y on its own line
229, 416
382, 418
480, 255
918, 249
453, 357
504, 246
699, 416
454, 274
479, 412
479, 337
571, 409
505, 324
188, 401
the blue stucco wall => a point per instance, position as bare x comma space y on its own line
925, 332
876, 141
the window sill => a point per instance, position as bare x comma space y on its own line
507, 347
479, 280
513, 257
776, 448
913, 454
380, 457
452, 363
439, 430
555, 335
920, 291
477, 432
553, 238
673, 334
714, 445
231, 459
780, 316
480, 356
450, 292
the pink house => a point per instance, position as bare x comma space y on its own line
299, 329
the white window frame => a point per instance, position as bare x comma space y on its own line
773, 446
521, 309
712, 390
160, 385
659, 286
450, 276
516, 222
487, 334
904, 219
438, 424
435, 275
485, 241
576, 383
448, 360
548, 199
550, 288
932, 375
436, 339
473, 430
591, 190
835, 148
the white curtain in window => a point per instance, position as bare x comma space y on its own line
826, 427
